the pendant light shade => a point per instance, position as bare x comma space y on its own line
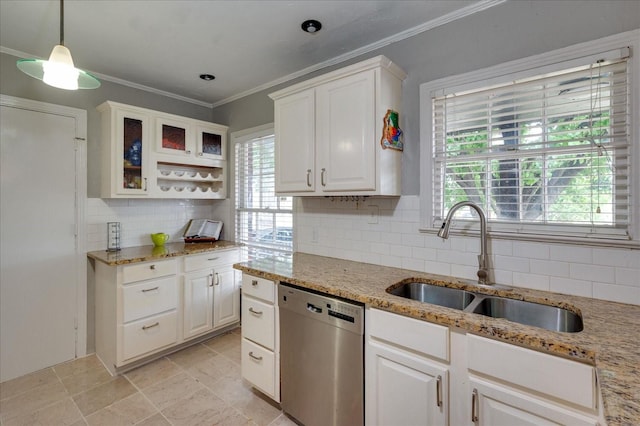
59, 70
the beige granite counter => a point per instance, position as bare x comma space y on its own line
146, 253
610, 339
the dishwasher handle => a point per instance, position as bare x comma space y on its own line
313, 308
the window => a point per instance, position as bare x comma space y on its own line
264, 221
545, 152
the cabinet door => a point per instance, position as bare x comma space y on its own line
211, 142
174, 137
226, 297
498, 405
198, 303
345, 134
403, 389
132, 153
295, 141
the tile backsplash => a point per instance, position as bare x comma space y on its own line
141, 217
385, 231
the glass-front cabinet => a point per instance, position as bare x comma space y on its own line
159, 155
125, 158
174, 137
211, 141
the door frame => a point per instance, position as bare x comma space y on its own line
80, 117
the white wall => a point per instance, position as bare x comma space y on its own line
341, 229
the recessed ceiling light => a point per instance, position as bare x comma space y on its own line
207, 77
311, 26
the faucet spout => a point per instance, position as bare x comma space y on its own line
483, 273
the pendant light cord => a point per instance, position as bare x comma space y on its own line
62, 22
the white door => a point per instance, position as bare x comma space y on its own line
40, 263
345, 134
226, 297
295, 142
198, 303
497, 405
403, 389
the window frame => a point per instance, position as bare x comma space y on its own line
242, 136
549, 62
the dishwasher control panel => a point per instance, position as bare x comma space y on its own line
322, 307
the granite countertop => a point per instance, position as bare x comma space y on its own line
146, 253
609, 340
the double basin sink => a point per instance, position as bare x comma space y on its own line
528, 313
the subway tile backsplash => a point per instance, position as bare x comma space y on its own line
141, 217
344, 228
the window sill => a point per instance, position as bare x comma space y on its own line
558, 239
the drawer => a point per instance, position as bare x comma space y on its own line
547, 374
149, 298
140, 337
258, 366
258, 322
416, 335
211, 259
259, 287
148, 270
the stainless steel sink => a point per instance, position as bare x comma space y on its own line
434, 294
529, 313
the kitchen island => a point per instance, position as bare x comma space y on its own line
608, 341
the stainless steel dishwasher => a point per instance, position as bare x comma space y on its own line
321, 358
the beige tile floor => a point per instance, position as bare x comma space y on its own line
200, 385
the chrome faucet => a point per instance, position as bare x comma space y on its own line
483, 272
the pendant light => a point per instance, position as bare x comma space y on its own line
59, 70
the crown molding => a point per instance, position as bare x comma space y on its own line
450, 17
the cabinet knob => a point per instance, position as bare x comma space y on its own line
152, 267
200, 154
188, 151
254, 283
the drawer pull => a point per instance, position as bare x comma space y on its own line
255, 312
146, 327
308, 176
322, 182
439, 391
211, 280
152, 267
257, 358
474, 406
144, 290
213, 258
254, 283
217, 282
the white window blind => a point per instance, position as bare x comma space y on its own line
552, 151
264, 221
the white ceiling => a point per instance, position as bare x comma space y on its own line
248, 45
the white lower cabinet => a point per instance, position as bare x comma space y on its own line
422, 373
211, 292
260, 335
197, 317
499, 405
145, 309
404, 384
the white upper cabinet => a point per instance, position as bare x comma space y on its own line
295, 135
157, 155
125, 155
329, 130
